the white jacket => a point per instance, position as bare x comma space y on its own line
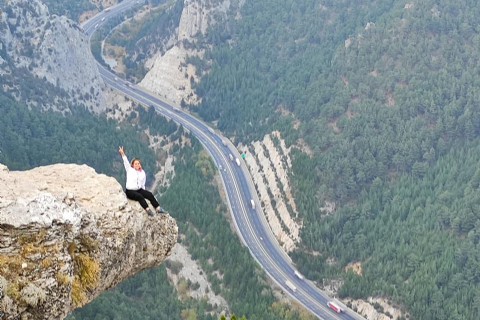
135, 179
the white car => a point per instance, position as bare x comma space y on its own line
116, 79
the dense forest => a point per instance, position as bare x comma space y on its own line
419, 239
383, 93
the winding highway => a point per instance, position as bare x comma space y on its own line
239, 188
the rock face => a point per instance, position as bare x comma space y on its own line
194, 19
67, 234
170, 76
270, 175
367, 309
44, 47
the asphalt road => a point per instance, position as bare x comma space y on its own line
239, 188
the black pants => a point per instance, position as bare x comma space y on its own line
140, 195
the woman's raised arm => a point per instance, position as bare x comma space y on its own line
126, 164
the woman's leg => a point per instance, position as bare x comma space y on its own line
148, 195
137, 196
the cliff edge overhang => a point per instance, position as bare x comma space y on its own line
67, 234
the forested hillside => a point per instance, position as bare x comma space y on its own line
31, 138
287, 59
381, 91
418, 238
74, 9
70, 9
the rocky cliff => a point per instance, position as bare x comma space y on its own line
170, 76
37, 47
67, 234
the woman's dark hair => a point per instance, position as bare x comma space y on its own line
133, 161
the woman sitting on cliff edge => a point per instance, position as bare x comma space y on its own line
135, 186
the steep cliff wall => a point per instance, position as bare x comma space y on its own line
38, 47
67, 234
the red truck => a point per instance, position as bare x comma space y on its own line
335, 307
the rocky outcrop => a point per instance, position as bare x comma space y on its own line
192, 271
376, 308
269, 165
44, 47
194, 19
170, 76
67, 234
